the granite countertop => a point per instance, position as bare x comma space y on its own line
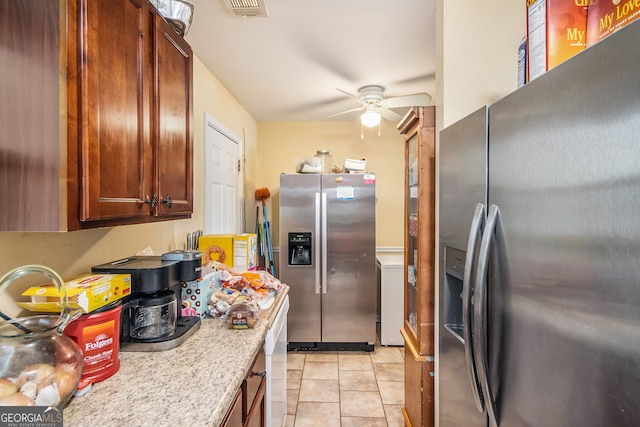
191, 385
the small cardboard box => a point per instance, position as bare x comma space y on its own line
245, 252
216, 247
556, 31
608, 16
87, 292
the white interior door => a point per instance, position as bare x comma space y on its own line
223, 184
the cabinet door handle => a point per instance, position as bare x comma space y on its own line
258, 374
153, 201
167, 201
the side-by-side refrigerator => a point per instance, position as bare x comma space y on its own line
328, 259
540, 242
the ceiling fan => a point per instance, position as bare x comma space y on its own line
375, 105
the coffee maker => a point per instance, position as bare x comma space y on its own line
151, 318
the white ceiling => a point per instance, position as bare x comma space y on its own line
287, 66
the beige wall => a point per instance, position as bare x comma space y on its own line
477, 54
281, 144
75, 252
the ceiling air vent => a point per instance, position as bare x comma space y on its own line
246, 8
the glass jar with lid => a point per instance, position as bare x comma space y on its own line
327, 160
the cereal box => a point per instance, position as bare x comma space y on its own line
245, 252
556, 31
216, 247
607, 16
87, 292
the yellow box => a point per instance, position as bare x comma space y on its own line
216, 247
245, 251
87, 292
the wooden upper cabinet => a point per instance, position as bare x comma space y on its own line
115, 168
173, 128
95, 114
31, 95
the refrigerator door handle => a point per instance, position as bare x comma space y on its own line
324, 242
480, 341
316, 260
474, 231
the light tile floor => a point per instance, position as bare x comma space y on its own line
345, 388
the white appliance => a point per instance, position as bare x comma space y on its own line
275, 349
390, 274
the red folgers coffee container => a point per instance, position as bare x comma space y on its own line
98, 335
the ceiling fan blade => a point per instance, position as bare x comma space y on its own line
348, 111
415, 100
390, 115
349, 94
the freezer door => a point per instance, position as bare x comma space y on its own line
463, 185
349, 280
299, 211
564, 285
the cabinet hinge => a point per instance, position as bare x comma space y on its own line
238, 165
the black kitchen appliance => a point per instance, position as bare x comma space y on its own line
152, 315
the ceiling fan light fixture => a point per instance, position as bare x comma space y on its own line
370, 118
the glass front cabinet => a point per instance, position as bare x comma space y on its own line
418, 128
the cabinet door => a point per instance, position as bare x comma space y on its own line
115, 173
234, 416
254, 392
411, 239
419, 131
173, 139
30, 99
412, 410
257, 415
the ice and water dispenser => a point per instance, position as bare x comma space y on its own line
453, 283
299, 248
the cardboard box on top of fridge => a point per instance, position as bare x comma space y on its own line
87, 292
556, 31
607, 16
216, 247
245, 252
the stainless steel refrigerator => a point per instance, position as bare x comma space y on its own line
327, 257
540, 247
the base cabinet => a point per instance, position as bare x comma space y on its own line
249, 406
